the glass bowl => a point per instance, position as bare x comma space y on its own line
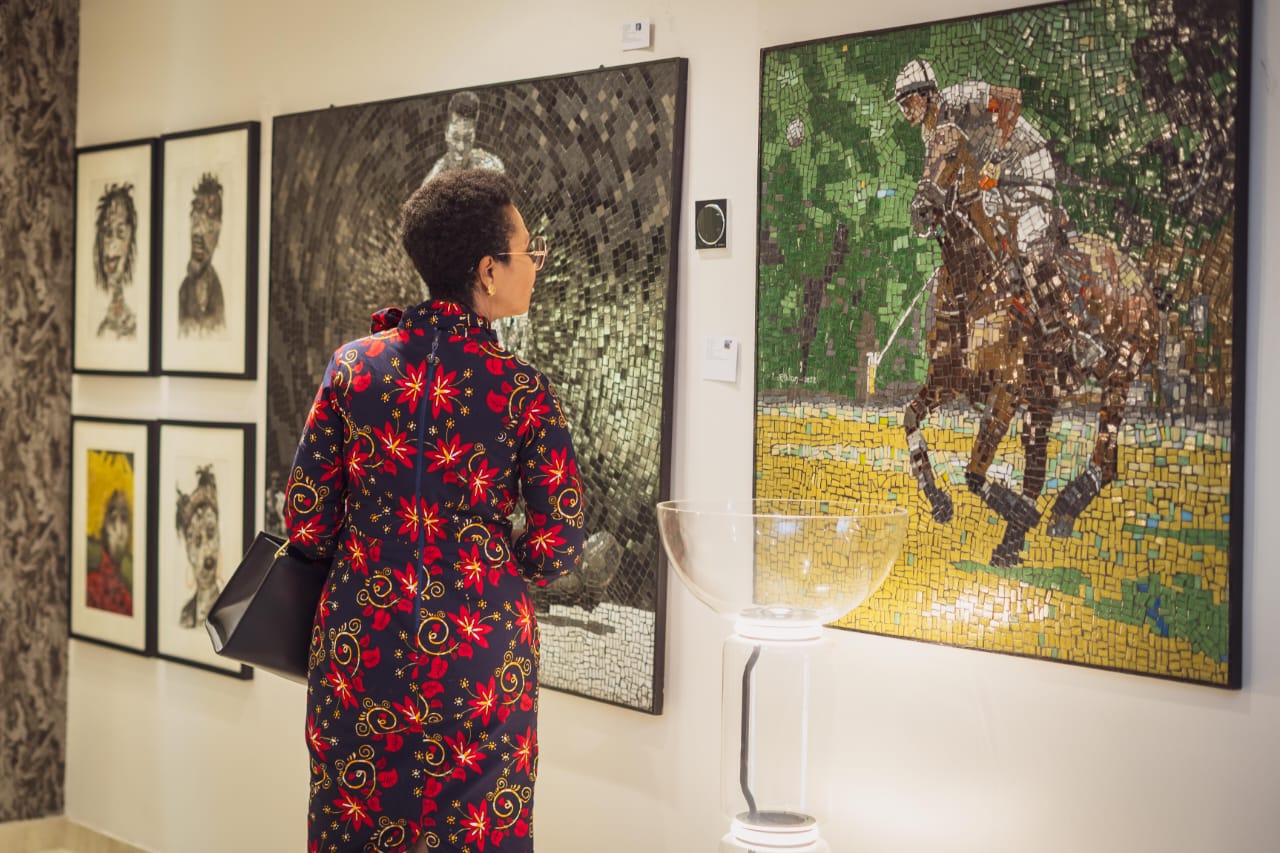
782, 567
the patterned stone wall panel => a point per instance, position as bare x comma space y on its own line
39, 50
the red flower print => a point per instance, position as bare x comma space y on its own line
442, 393
473, 568
360, 553
559, 468
543, 542
466, 756
410, 521
412, 385
471, 625
407, 580
353, 811
526, 621
410, 713
432, 521
356, 458
533, 413
477, 825
361, 379
418, 519
484, 702
342, 685
306, 532
447, 453
315, 740
318, 412
395, 445
527, 751
330, 469
480, 481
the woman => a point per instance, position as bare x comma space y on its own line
423, 689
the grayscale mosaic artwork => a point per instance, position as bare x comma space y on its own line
596, 157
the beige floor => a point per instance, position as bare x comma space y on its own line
58, 835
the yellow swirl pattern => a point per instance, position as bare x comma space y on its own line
377, 718
344, 645
358, 772
434, 635
507, 804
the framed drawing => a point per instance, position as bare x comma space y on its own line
1001, 282
204, 525
116, 206
601, 326
209, 268
111, 546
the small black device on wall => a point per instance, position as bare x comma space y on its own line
710, 223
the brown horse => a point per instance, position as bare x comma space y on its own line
1018, 337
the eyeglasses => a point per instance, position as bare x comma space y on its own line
537, 252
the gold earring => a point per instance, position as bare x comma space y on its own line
488, 288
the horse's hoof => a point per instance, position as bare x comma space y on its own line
1061, 526
942, 507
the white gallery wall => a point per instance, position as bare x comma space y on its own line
940, 748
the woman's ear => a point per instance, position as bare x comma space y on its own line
485, 271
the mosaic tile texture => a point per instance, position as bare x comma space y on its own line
39, 43
596, 158
1000, 285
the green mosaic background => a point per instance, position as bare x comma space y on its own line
1138, 103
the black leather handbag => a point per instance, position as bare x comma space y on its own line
265, 612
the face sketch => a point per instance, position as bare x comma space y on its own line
197, 525
117, 528
203, 546
460, 136
206, 228
115, 238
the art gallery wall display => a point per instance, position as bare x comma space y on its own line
204, 525
117, 209
209, 266
111, 547
597, 160
1001, 284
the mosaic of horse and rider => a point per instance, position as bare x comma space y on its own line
1026, 310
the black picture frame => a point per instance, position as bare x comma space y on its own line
117, 237
208, 294
602, 325
1128, 556
112, 583
204, 491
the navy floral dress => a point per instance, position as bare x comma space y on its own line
423, 688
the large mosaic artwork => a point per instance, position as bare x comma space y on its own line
597, 159
1001, 271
